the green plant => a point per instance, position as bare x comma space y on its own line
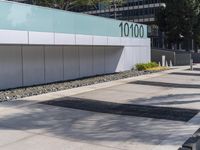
145, 66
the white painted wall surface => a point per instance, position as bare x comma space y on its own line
86, 61
33, 65
26, 65
71, 62
54, 64
10, 66
112, 58
50, 38
99, 60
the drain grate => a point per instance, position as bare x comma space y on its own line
176, 114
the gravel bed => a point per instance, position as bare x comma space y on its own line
13, 94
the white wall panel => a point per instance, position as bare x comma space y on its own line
86, 61
10, 67
53, 63
84, 39
99, 60
50, 38
71, 62
114, 41
13, 37
41, 38
134, 56
126, 41
143, 55
100, 40
121, 65
49, 63
128, 54
112, 58
33, 65
64, 39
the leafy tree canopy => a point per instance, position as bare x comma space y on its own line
68, 4
180, 20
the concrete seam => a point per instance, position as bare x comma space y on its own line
104, 59
22, 61
28, 37
63, 62
44, 63
93, 59
79, 61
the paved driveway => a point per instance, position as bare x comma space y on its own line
157, 113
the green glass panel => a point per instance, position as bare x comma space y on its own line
17, 16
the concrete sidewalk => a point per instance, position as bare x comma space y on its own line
152, 112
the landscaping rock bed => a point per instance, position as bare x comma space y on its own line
12, 94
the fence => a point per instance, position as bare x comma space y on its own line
178, 58
196, 57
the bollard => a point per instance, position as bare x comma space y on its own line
166, 64
171, 65
191, 64
163, 61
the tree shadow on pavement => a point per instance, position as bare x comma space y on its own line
165, 84
90, 126
185, 74
168, 100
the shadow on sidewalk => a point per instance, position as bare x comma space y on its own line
176, 114
57, 119
194, 69
185, 74
164, 84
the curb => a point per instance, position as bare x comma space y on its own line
69, 92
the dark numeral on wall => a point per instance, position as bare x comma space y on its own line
133, 30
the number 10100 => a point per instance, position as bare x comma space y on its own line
133, 30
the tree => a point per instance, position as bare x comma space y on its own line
180, 20
60, 4
68, 4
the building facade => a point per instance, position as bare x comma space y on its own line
41, 45
139, 11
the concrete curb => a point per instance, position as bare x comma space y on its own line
69, 92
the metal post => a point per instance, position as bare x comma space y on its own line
191, 64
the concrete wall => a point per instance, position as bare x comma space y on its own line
26, 65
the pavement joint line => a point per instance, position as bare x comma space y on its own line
89, 88
33, 134
19, 140
74, 140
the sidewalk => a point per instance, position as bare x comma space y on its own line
153, 112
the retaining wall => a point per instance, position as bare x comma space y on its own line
23, 65
40, 45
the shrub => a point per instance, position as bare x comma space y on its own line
145, 66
